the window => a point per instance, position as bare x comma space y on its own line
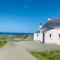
50, 35
37, 35
59, 35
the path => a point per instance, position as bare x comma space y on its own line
14, 52
19, 50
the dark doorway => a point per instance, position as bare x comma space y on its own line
43, 37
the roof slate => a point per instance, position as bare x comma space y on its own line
51, 24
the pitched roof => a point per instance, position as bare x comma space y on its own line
51, 24
37, 31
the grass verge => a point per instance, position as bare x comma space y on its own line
51, 55
2, 43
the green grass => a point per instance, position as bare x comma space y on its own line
2, 43
51, 55
16, 38
24, 38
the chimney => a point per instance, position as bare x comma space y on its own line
49, 19
40, 26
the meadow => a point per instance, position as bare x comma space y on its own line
5, 38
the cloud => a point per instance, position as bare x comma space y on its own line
26, 3
25, 6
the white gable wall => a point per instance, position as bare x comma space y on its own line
54, 36
38, 37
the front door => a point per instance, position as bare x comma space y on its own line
43, 37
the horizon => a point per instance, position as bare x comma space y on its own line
25, 16
15, 33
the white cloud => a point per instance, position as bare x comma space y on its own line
25, 6
26, 3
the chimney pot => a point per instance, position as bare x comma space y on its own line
49, 19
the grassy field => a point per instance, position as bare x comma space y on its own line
24, 38
2, 43
51, 55
14, 38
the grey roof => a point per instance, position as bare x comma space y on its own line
37, 31
51, 24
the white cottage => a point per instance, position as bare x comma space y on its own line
49, 32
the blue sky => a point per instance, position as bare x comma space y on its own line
26, 15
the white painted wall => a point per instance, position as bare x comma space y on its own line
54, 36
53, 39
39, 37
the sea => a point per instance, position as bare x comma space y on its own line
9, 33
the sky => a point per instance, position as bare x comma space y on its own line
24, 16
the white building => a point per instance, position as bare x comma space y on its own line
49, 32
